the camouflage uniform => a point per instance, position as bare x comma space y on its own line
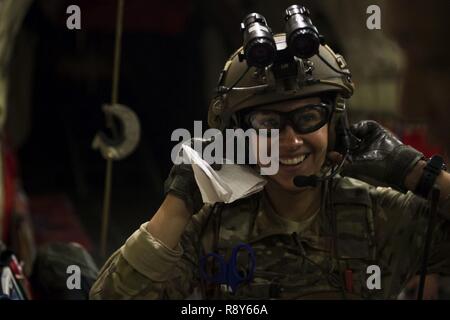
294, 260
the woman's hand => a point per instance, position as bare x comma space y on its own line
181, 183
380, 157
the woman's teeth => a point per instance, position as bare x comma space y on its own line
294, 161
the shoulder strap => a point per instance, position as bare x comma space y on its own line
353, 207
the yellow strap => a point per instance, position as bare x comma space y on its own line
110, 124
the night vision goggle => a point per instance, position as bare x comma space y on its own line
302, 37
288, 59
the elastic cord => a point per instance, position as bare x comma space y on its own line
235, 83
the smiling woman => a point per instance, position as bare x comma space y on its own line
302, 240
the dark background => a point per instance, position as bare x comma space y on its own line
172, 53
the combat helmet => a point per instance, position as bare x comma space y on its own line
242, 86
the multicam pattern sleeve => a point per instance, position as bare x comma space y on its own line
144, 268
401, 223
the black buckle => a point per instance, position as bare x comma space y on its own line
433, 168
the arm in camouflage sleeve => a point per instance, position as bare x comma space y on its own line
401, 222
146, 267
